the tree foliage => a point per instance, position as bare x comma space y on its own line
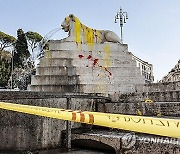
22, 77
6, 40
22, 53
5, 68
22, 58
33, 39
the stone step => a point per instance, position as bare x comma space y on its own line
54, 80
86, 88
88, 71
83, 62
108, 71
59, 45
57, 88
45, 62
103, 62
94, 54
56, 70
109, 80
84, 80
96, 81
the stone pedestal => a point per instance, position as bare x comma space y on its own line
106, 68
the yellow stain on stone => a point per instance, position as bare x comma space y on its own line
98, 36
107, 56
139, 112
84, 34
159, 114
104, 62
89, 36
67, 19
100, 86
77, 31
48, 54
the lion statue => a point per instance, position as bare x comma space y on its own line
80, 33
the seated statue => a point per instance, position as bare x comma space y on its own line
80, 33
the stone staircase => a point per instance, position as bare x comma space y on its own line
99, 68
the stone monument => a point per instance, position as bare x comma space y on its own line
87, 61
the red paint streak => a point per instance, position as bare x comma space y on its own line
81, 56
89, 57
108, 71
95, 61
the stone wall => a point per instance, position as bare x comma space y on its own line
8, 95
158, 92
21, 131
159, 87
167, 96
161, 109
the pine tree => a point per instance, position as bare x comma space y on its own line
22, 52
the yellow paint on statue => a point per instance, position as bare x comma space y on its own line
89, 37
98, 36
107, 56
67, 19
77, 31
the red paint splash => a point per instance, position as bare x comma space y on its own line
95, 61
107, 71
89, 57
81, 56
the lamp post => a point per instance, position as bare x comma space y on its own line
122, 16
12, 65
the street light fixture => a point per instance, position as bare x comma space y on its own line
122, 17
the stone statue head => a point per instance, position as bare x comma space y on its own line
66, 23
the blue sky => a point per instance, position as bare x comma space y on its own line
152, 31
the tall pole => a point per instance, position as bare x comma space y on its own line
12, 65
68, 127
122, 16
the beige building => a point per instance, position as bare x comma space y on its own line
146, 69
173, 75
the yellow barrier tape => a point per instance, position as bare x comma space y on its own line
150, 125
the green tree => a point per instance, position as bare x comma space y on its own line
6, 40
21, 46
5, 67
33, 39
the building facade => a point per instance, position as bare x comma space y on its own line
173, 75
145, 68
